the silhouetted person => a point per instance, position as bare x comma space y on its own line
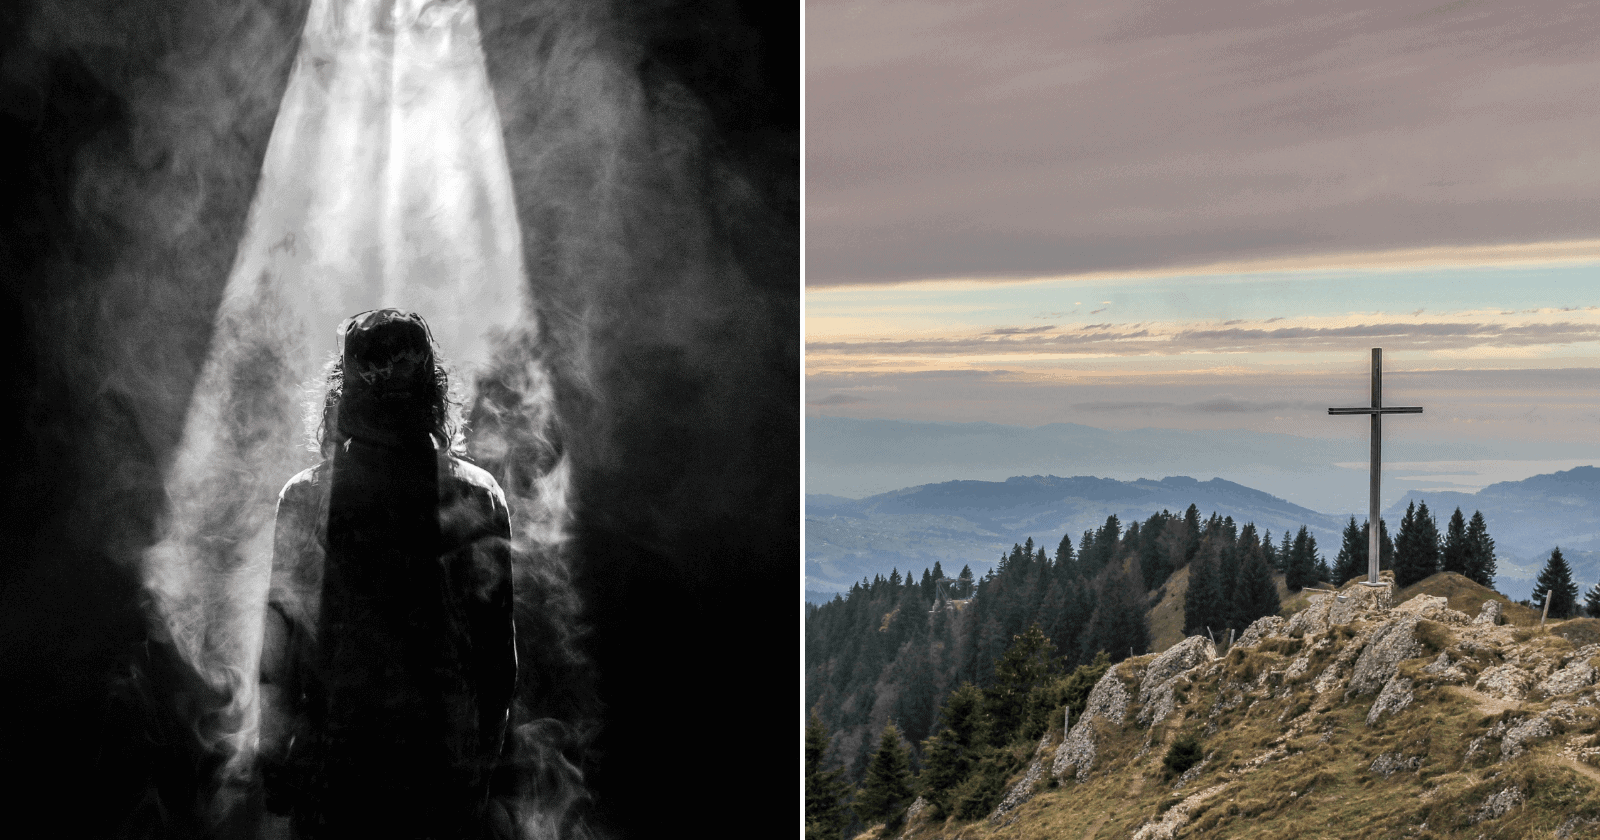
389, 658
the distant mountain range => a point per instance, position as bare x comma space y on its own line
973, 522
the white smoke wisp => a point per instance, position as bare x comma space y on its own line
385, 183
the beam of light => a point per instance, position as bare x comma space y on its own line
385, 183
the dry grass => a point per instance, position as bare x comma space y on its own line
1463, 594
1166, 617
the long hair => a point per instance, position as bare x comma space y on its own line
444, 408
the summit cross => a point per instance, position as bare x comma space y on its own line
1377, 410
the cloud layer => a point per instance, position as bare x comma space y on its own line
966, 139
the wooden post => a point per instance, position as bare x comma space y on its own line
1547, 594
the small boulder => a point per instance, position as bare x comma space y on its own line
1508, 682
1520, 735
1396, 695
1498, 804
1578, 675
1489, 614
1261, 628
1388, 764
1313, 619
1175, 661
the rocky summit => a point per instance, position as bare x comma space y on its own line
1358, 716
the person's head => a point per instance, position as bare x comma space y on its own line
388, 383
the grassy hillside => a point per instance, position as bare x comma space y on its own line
1498, 738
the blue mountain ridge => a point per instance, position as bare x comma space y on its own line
969, 522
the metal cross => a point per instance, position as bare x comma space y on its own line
1377, 410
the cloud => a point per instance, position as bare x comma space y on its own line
1021, 330
1176, 339
957, 140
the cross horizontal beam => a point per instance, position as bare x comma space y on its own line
1396, 409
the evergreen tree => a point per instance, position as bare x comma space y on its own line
1591, 602
886, 792
1026, 663
1285, 553
1268, 550
1480, 551
1191, 528
1456, 552
1120, 625
1416, 550
1556, 580
1257, 592
1205, 592
947, 757
1066, 565
826, 816
1301, 568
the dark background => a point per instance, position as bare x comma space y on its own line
665, 261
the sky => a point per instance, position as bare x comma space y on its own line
1204, 216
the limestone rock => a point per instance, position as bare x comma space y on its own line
1176, 660
1388, 764
1445, 670
1578, 675
1313, 619
1176, 817
1396, 695
1489, 613
1261, 628
1519, 735
1507, 682
916, 809
1422, 603
1335, 672
1109, 700
1361, 600
1022, 791
1498, 804
1390, 644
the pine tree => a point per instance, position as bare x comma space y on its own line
1066, 565
1301, 568
1257, 592
886, 791
1025, 664
1120, 625
1191, 529
826, 816
1591, 602
1416, 550
1556, 580
1352, 557
1205, 591
947, 757
1456, 552
1480, 551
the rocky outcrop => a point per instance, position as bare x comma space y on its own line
1359, 600
1388, 764
1261, 628
1519, 735
1445, 670
1396, 695
1023, 790
1313, 619
1433, 607
1576, 676
1176, 817
1158, 686
1390, 644
1489, 613
1498, 804
1108, 701
1508, 682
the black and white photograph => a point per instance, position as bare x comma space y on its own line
403, 429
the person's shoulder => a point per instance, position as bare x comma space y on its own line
306, 483
468, 475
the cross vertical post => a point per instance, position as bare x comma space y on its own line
1376, 410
